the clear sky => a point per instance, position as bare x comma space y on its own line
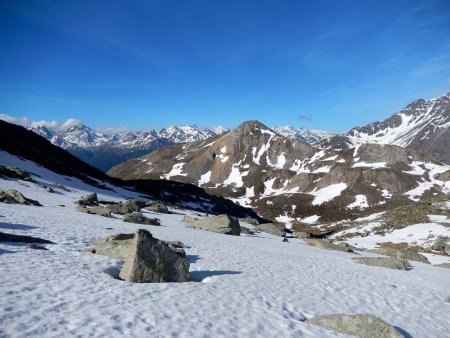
317, 64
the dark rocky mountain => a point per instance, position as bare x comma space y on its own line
28, 145
423, 125
288, 180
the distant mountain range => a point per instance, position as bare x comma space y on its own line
104, 150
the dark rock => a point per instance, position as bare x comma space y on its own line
36, 247
157, 206
15, 197
138, 218
100, 211
88, 200
153, 261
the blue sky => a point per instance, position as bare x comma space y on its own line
317, 64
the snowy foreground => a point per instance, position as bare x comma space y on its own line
247, 286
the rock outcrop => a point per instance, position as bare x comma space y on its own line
157, 206
88, 200
223, 224
100, 211
359, 325
138, 218
391, 263
324, 244
153, 261
15, 197
402, 254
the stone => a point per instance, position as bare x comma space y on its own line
439, 245
271, 228
447, 249
443, 265
403, 254
88, 200
36, 247
388, 262
127, 207
359, 325
115, 246
15, 197
100, 211
324, 244
153, 261
302, 234
5, 237
138, 218
285, 240
248, 220
223, 224
245, 230
13, 172
157, 206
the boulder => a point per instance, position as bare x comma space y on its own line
100, 211
15, 197
223, 224
138, 218
36, 247
443, 265
271, 228
153, 261
88, 200
13, 172
403, 254
127, 207
157, 206
439, 245
118, 246
248, 220
115, 246
447, 249
391, 263
359, 325
324, 244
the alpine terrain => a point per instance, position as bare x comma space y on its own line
423, 125
104, 150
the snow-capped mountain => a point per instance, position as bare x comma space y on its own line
305, 135
104, 150
423, 125
289, 180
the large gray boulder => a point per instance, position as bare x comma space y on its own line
223, 224
359, 325
15, 197
157, 206
153, 261
271, 228
88, 200
138, 218
403, 254
385, 262
100, 211
115, 246
127, 207
324, 244
439, 245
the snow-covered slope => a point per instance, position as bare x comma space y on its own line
305, 135
246, 286
422, 125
